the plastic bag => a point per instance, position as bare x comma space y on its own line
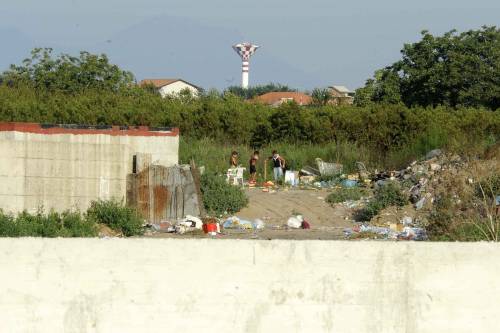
294, 222
258, 224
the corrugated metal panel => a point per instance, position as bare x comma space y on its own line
162, 193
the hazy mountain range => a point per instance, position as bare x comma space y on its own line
174, 48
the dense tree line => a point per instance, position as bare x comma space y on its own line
230, 119
456, 69
66, 73
88, 89
254, 91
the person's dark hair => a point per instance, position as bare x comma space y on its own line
274, 152
234, 152
256, 152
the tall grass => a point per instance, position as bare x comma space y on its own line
72, 223
214, 155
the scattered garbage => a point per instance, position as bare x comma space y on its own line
348, 183
258, 224
352, 203
408, 233
295, 222
306, 180
433, 153
407, 221
420, 203
362, 171
192, 222
236, 223
291, 178
328, 169
182, 229
309, 171
163, 226
211, 228
305, 225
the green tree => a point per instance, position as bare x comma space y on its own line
321, 96
67, 73
453, 69
258, 90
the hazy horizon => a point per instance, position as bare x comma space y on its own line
303, 45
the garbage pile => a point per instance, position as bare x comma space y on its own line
405, 230
235, 222
419, 182
214, 226
298, 222
418, 178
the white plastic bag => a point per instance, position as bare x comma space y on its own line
294, 222
258, 224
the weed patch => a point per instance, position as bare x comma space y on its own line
388, 195
344, 194
221, 198
117, 216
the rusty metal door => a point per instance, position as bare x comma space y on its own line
161, 193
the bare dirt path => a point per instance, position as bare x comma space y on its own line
274, 209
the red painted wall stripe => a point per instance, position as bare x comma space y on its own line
114, 131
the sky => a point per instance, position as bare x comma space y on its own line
304, 44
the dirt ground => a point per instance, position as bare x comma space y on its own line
274, 208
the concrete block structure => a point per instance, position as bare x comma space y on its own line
67, 166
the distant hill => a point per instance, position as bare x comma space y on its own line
172, 47
176, 47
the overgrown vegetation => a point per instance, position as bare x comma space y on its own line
116, 216
90, 90
72, 224
387, 195
67, 224
219, 197
465, 207
444, 93
390, 135
344, 194
258, 90
456, 69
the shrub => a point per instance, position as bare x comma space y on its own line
67, 224
345, 194
221, 198
77, 226
489, 187
7, 226
388, 195
116, 216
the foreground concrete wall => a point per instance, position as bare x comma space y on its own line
60, 171
168, 285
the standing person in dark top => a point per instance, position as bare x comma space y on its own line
253, 166
278, 165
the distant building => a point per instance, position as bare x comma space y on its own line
341, 95
171, 87
278, 98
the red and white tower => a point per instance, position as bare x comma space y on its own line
245, 50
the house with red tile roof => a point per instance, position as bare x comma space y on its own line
277, 98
